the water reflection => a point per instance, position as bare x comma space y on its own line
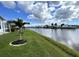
65, 36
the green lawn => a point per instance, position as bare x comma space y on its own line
37, 45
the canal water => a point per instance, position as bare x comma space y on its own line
69, 37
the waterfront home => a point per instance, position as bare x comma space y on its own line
3, 25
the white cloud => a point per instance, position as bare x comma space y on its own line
50, 21
51, 9
9, 4
63, 13
39, 10
68, 11
32, 17
18, 11
55, 3
26, 5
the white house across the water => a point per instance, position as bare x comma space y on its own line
3, 25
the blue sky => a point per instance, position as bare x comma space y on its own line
12, 14
28, 13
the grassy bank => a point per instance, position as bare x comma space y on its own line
37, 45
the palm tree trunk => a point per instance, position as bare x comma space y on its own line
20, 36
20, 32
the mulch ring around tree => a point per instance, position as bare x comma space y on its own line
18, 43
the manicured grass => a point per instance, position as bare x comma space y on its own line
37, 45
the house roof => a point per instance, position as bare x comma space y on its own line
1, 18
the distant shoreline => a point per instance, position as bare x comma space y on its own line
55, 27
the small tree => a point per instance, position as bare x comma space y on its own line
46, 26
56, 24
52, 24
20, 24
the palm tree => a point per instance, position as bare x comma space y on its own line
20, 24
62, 25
